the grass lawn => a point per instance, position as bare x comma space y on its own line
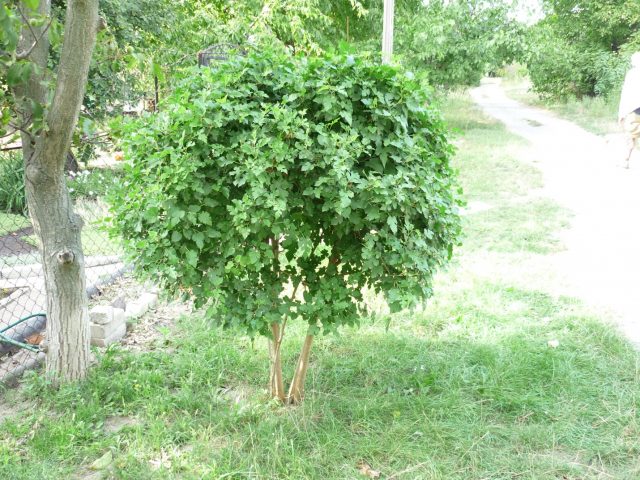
10, 222
95, 239
466, 388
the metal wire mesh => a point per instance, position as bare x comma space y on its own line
22, 294
219, 52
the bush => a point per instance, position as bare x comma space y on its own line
272, 173
583, 51
559, 69
12, 194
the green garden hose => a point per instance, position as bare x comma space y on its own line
26, 346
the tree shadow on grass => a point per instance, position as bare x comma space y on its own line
469, 389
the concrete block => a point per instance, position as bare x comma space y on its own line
135, 310
118, 314
115, 337
105, 330
119, 302
150, 299
101, 314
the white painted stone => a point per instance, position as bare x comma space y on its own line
101, 314
115, 337
105, 330
118, 314
149, 299
135, 310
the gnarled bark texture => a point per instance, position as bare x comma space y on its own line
50, 206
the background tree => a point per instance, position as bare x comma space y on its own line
582, 47
458, 42
44, 109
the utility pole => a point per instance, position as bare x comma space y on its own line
387, 31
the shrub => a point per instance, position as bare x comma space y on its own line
12, 194
583, 51
278, 187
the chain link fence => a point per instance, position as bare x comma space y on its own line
22, 294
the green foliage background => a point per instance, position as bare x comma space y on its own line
582, 50
12, 196
271, 171
456, 43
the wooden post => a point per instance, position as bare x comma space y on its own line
387, 31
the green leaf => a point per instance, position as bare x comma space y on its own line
18, 73
156, 70
198, 237
192, 258
393, 224
272, 170
205, 218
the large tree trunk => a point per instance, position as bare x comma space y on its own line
58, 229
50, 207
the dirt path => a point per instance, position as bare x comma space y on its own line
583, 173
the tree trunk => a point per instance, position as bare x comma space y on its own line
55, 223
296, 390
58, 229
276, 384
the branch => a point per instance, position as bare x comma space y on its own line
75, 57
8, 149
26, 21
24, 128
24, 55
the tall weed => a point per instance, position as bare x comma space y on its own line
12, 195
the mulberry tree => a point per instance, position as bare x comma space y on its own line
274, 188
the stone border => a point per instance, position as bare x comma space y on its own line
109, 323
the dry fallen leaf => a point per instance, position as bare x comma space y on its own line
365, 469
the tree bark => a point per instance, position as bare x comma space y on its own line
296, 389
50, 207
276, 384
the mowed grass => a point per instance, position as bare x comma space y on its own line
95, 241
487, 155
94, 236
468, 387
529, 226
